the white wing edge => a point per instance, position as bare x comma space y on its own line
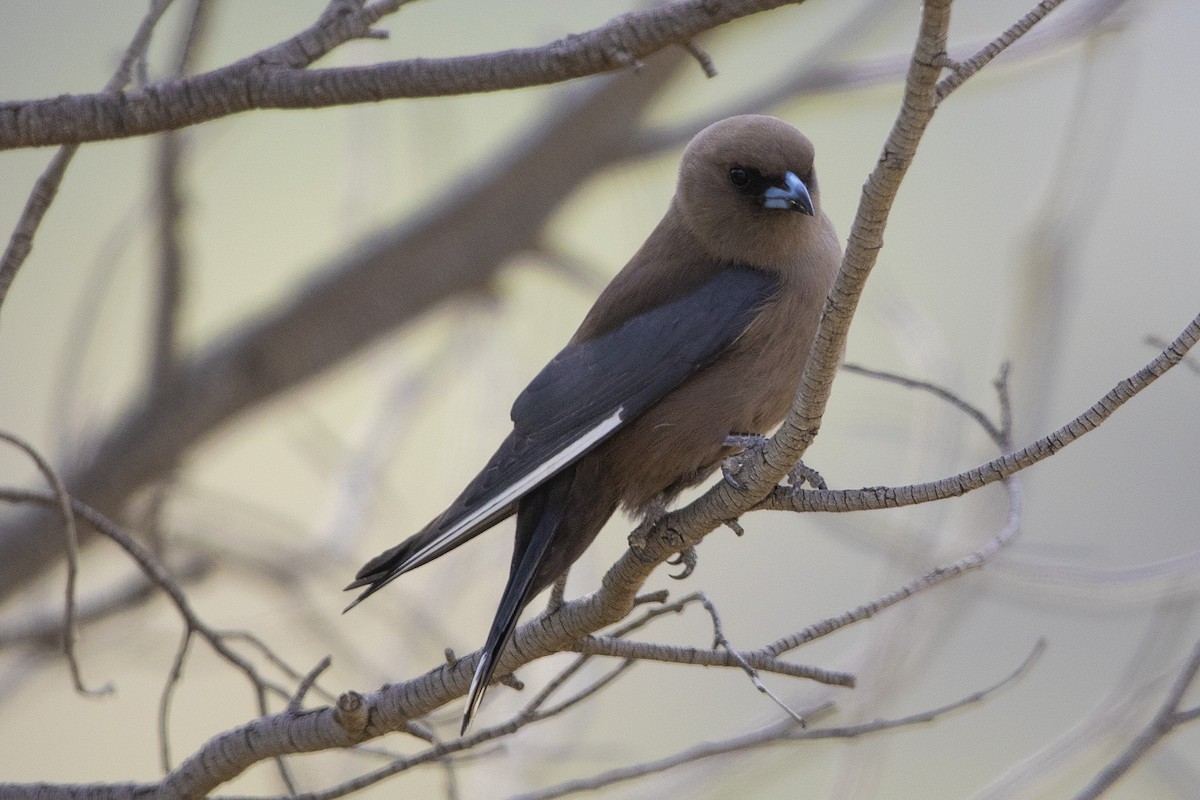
520, 487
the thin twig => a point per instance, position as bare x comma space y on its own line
274, 658
44, 628
938, 391
154, 570
676, 654
1191, 362
971, 561
169, 208
961, 71
1166, 721
174, 675
720, 640
20, 244
62, 500
999, 468
296, 704
825, 71
1118, 714
702, 58
586, 692
785, 731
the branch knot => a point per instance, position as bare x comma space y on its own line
352, 713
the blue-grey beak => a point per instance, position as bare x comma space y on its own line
792, 196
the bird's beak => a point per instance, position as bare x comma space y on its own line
792, 195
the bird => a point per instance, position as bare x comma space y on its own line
699, 341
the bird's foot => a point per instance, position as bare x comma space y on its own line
656, 512
802, 474
732, 467
558, 591
752, 444
689, 558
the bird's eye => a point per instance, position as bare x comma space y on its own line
739, 177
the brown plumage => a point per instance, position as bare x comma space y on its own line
703, 334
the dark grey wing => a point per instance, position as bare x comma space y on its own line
583, 396
629, 369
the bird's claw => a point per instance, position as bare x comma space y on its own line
802, 473
688, 558
732, 467
751, 443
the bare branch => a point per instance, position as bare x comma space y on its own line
997, 469
823, 72
963, 70
70, 625
785, 731
296, 704
676, 654
279, 78
979, 416
20, 244
1166, 721
46, 627
169, 208
155, 571
583, 694
1191, 362
174, 675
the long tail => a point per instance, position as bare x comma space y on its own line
434, 540
538, 520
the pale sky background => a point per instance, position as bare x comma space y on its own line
1098, 140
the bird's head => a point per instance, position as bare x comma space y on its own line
748, 191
